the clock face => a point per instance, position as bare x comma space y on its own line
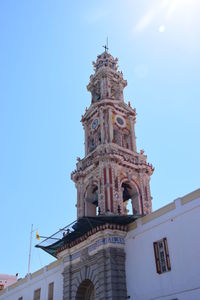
95, 123
120, 121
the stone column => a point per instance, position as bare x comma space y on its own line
102, 125
141, 205
101, 200
67, 283
133, 137
110, 126
86, 139
80, 200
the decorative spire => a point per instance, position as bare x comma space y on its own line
107, 82
105, 60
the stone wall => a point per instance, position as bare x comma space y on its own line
105, 269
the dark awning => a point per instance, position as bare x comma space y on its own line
80, 227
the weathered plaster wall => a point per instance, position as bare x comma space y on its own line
40, 279
180, 223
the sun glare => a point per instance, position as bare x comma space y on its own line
162, 28
182, 6
170, 12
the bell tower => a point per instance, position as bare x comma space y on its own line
113, 178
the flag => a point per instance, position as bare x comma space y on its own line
37, 235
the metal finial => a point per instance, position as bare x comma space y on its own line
106, 46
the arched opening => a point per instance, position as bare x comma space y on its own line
86, 291
131, 199
91, 201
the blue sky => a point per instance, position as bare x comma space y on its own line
46, 54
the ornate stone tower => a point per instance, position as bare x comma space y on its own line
112, 173
110, 176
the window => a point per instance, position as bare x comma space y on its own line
50, 292
37, 294
162, 256
1, 286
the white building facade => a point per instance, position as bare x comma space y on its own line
46, 283
179, 223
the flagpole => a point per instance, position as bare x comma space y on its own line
29, 258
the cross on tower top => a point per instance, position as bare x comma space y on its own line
106, 46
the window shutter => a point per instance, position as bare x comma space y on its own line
158, 268
50, 292
167, 254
